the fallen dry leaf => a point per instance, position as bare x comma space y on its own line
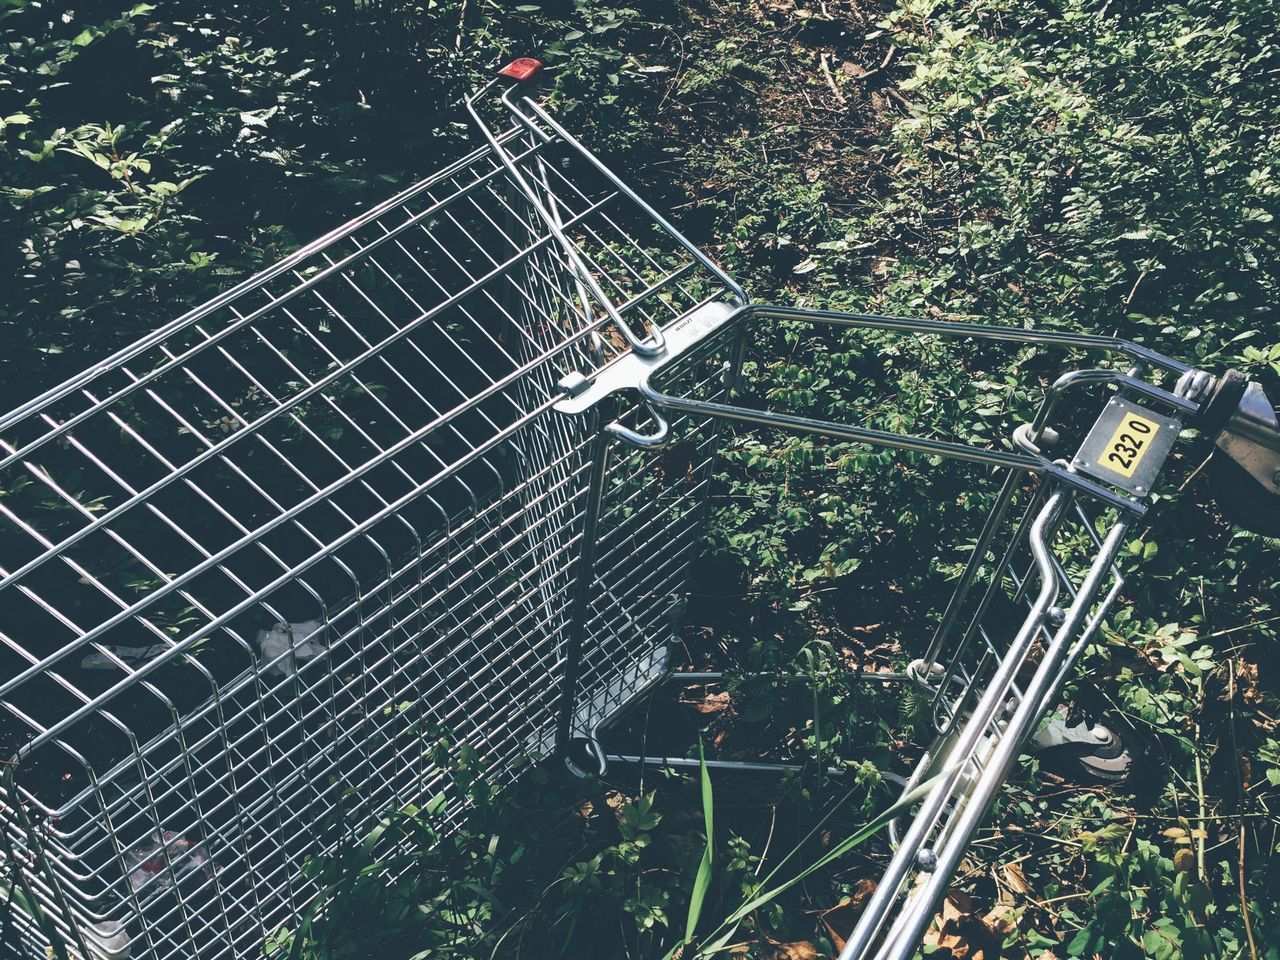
797, 950
1001, 920
710, 703
1246, 681
616, 801
1015, 879
841, 918
964, 933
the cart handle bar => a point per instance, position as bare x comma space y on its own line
641, 374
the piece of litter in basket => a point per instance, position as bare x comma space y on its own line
107, 940
132, 656
167, 858
307, 639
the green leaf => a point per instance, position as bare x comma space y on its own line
14, 120
702, 882
836, 852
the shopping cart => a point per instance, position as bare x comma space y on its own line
434, 484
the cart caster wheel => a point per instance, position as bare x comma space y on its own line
1092, 751
584, 757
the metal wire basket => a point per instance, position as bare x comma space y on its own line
441, 474
261, 550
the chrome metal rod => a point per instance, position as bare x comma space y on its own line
974, 730
712, 676
881, 438
583, 589
904, 938
740, 766
1053, 338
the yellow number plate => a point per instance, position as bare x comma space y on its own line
1129, 444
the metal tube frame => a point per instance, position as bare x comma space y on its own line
981, 742
985, 757
553, 529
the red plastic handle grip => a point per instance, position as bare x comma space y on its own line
522, 70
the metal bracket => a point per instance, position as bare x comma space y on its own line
630, 370
1252, 438
1127, 445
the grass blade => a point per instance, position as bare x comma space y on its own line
702, 882
839, 850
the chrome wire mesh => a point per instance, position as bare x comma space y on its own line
261, 559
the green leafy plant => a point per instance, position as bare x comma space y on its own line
1092, 165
